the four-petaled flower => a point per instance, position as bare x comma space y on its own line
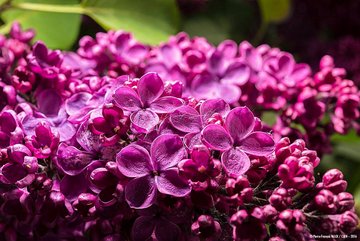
154, 171
238, 139
145, 102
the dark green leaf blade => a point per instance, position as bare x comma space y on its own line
57, 30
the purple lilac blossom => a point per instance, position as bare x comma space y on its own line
88, 153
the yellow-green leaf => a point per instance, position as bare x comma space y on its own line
274, 10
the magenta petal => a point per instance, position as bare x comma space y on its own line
8, 121
150, 88
235, 162
300, 72
192, 139
228, 92
73, 186
240, 122
210, 107
127, 99
237, 74
167, 151
143, 228
71, 160
144, 120
166, 104
134, 161
216, 137
49, 102
186, 119
170, 54
258, 144
76, 102
141, 192
205, 86
169, 182
166, 230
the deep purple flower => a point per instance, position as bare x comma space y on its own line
291, 222
248, 226
18, 33
20, 168
189, 120
201, 166
23, 79
206, 228
7, 95
154, 171
281, 198
333, 180
153, 227
326, 202
110, 126
146, 102
238, 140
224, 75
44, 142
45, 62
10, 131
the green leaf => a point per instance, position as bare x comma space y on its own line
357, 198
150, 21
2, 2
58, 29
214, 31
274, 10
269, 117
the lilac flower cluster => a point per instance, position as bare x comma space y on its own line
96, 145
309, 106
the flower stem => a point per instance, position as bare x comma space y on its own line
55, 8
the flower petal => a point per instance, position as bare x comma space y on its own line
127, 99
71, 160
240, 122
169, 182
144, 120
210, 107
166, 104
258, 144
75, 103
170, 54
216, 137
134, 161
73, 186
141, 192
237, 73
186, 119
235, 162
192, 139
167, 151
228, 92
166, 230
49, 102
205, 86
150, 88
143, 228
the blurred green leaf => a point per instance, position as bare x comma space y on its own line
211, 29
150, 21
269, 117
357, 198
57, 29
350, 137
2, 2
274, 10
